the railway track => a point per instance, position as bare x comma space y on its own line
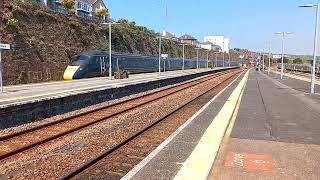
15, 143
303, 74
20, 144
152, 130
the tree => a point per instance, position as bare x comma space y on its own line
68, 5
297, 61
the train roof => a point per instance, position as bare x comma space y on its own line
106, 53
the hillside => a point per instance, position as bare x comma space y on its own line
44, 42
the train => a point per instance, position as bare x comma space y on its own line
95, 63
300, 68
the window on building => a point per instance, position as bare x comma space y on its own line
79, 5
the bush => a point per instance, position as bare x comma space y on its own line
101, 12
68, 5
297, 61
12, 22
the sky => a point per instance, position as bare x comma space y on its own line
249, 24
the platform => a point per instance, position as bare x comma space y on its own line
38, 91
27, 103
257, 128
295, 81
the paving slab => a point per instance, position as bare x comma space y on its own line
275, 135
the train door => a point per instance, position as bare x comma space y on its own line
103, 65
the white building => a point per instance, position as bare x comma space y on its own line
219, 41
210, 46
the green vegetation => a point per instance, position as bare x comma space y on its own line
68, 5
297, 61
303, 58
101, 12
12, 22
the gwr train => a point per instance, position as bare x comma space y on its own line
95, 63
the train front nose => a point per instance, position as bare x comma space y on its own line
69, 72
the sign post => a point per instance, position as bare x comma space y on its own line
164, 56
2, 47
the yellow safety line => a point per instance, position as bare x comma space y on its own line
219, 159
199, 163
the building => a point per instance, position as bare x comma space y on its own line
169, 35
83, 8
210, 46
188, 39
219, 41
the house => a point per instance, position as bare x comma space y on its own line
188, 39
210, 46
220, 41
83, 8
169, 35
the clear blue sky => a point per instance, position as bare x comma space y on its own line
248, 23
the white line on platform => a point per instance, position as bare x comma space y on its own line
145, 161
199, 163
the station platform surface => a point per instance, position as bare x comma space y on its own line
301, 83
256, 128
36, 92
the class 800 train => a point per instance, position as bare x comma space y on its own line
95, 63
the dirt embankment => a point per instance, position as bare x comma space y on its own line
44, 42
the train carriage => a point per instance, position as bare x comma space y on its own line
96, 63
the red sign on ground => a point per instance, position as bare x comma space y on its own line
249, 161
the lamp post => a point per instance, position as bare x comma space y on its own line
160, 39
197, 57
216, 59
110, 55
313, 72
283, 34
223, 59
183, 54
229, 60
269, 59
263, 60
208, 59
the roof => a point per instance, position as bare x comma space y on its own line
187, 37
95, 1
208, 43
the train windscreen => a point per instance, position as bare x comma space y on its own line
80, 60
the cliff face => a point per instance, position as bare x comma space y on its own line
44, 42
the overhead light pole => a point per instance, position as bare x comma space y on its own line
197, 57
263, 60
183, 54
216, 59
313, 72
110, 54
229, 60
160, 39
269, 59
223, 59
283, 34
208, 59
